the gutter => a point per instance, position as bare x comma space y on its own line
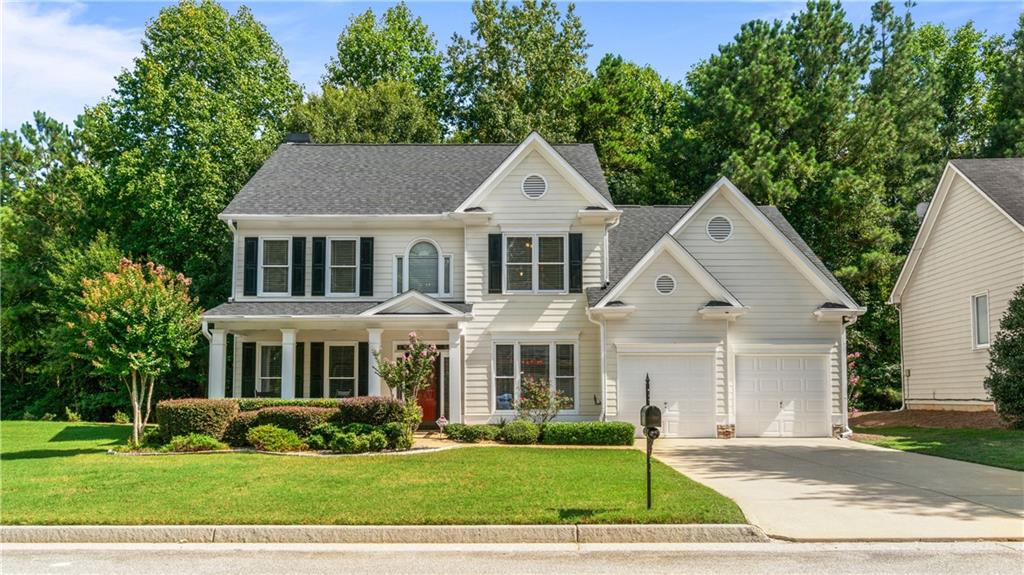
205, 329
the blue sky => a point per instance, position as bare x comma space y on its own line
61, 57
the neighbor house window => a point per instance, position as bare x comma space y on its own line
274, 261
552, 362
269, 384
341, 371
343, 259
535, 263
979, 312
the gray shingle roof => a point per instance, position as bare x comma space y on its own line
640, 227
328, 179
301, 308
1002, 179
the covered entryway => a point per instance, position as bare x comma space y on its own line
682, 385
782, 396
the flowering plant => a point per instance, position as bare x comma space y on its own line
408, 374
538, 402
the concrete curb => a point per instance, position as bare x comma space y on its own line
314, 534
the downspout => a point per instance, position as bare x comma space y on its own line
903, 365
206, 331
234, 252
604, 371
844, 399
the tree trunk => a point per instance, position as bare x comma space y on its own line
136, 412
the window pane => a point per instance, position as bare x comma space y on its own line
423, 268
342, 387
520, 277
341, 362
275, 252
343, 280
981, 319
423, 250
400, 273
551, 250
504, 358
343, 253
447, 274
520, 250
552, 276
270, 387
504, 392
566, 387
270, 361
566, 365
533, 361
275, 280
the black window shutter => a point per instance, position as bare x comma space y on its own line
299, 266
251, 253
364, 368
248, 369
300, 352
494, 263
319, 257
576, 263
316, 369
366, 267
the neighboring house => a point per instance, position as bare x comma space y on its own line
514, 261
966, 262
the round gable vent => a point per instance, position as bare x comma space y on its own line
665, 284
719, 228
534, 186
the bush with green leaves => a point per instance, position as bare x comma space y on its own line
357, 437
185, 416
520, 432
238, 427
539, 401
121, 417
72, 416
1005, 382
398, 435
299, 419
589, 433
257, 403
195, 442
464, 433
273, 438
371, 410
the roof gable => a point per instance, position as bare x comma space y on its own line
412, 302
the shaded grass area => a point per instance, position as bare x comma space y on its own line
995, 447
59, 473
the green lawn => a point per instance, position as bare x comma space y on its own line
59, 473
996, 447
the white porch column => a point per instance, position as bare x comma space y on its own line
372, 379
218, 363
455, 374
287, 364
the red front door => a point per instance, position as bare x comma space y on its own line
429, 396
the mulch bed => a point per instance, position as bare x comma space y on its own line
928, 418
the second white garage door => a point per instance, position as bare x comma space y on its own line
683, 386
782, 396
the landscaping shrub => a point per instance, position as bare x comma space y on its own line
471, 433
195, 442
121, 417
372, 410
152, 438
355, 437
273, 438
589, 433
254, 404
1005, 382
520, 432
239, 427
398, 435
299, 419
185, 416
71, 416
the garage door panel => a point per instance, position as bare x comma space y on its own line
681, 385
782, 396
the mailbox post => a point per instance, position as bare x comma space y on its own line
650, 419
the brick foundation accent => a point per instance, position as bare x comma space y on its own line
726, 431
837, 431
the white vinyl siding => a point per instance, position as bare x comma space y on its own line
973, 249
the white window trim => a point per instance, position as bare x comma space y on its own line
441, 255
552, 369
396, 285
259, 267
535, 262
327, 366
329, 269
259, 363
974, 320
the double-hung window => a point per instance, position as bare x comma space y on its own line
341, 371
553, 363
536, 263
275, 258
979, 320
343, 255
269, 381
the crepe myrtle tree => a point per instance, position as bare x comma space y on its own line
136, 324
538, 401
1005, 382
408, 374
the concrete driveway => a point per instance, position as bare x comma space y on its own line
828, 489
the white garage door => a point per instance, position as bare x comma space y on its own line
683, 386
782, 396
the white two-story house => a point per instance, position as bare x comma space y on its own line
515, 262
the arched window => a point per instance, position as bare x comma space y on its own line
423, 268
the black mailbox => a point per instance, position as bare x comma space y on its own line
650, 416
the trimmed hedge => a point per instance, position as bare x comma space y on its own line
471, 433
273, 438
299, 419
238, 427
195, 442
520, 432
589, 433
371, 410
187, 416
254, 404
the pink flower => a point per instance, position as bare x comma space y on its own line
89, 344
412, 335
423, 353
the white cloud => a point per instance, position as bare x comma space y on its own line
54, 62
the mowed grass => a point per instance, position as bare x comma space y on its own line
59, 473
995, 447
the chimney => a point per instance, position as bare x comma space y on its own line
298, 138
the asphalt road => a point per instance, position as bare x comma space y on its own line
253, 559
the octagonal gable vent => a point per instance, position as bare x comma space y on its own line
534, 186
719, 228
665, 284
